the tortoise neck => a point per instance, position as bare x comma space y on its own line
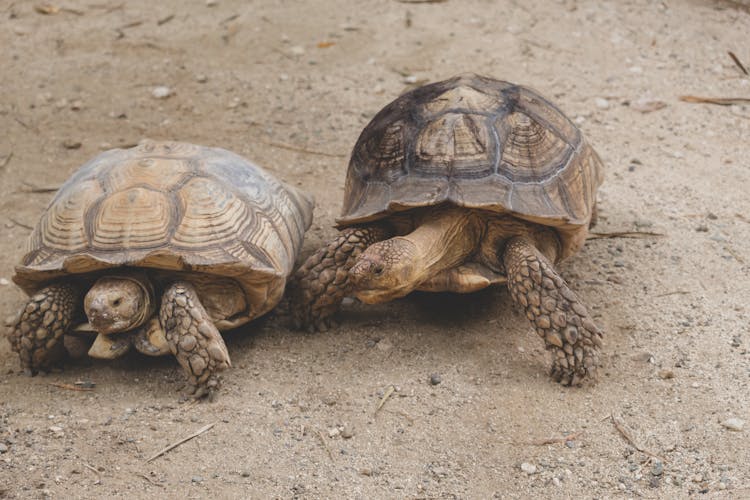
444, 239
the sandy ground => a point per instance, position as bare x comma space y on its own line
297, 416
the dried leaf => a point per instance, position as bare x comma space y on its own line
721, 101
325, 45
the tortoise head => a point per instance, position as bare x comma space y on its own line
119, 303
385, 271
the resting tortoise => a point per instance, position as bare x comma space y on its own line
162, 246
456, 186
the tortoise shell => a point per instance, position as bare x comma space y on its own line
474, 142
172, 207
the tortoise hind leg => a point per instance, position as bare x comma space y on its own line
555, 311
193, 338
322, 282
37, 334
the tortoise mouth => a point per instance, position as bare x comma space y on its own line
377, 296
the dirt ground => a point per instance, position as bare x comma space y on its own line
290, 84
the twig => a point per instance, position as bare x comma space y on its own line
71, 387
676, 292
625, 434
737, 61
734, 254
624, 234
421, 1
721, 101
182, 441
37, 189
20, 224
300, 150
165, 20
325, 444
144, 476
742, 218
91, 467
390, 390
558, 440
5, 160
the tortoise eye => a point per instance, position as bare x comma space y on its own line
378, 270
117, 302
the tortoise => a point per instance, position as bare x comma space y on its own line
162, 246
456, 186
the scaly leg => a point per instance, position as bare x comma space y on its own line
38, 331
193, 338
555, 311
322, 282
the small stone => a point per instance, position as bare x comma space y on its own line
410, 79
601, 103
4, 282
733, 424
3, 448
347, 432
161, 92
197, 479
654, 482
528, 468
666, 374
201, 78
297, 50
658, 468
211, 3
71, 144
556, 481
245, 473
333, 432
702, 228
435, 379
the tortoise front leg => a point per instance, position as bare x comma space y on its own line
42, 323
555, 311
322, 282
193, 338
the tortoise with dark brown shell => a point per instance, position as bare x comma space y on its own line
162, 246
456, 186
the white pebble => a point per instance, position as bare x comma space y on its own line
733, 424
528, 468
410, 79
4, 282
601, 103
297, 50
161, 92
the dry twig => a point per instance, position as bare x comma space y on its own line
5, 160
625, 434
624, 234
721, 101
181, 441
325, 444
20, 224
91, 468
559, 440
737, 62
149, 480
71, 387
390, 390
290, 147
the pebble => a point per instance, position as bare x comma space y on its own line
211, 3
3, 448
556, 481
201, 78
297, 50
245, 473
657, 469
197, 479
703, 228
347, 432
528, 468
733, 424
4, 282
161, 92
601, 103
435, 379
71, 144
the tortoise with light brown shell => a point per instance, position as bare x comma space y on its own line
160, 247
456, 186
